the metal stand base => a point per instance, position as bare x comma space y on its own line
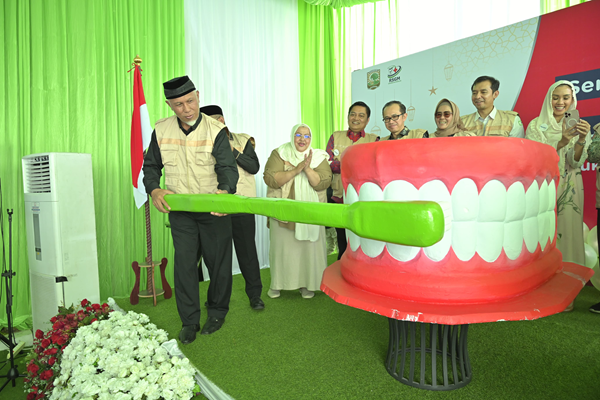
429, 356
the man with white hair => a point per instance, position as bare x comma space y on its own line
195, 154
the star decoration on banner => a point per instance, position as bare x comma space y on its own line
432, 90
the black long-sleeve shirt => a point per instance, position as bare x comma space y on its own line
225, 166
248, 160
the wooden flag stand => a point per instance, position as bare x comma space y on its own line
151, 290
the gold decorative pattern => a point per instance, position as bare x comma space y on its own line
474, 54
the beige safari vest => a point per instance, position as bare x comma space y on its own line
246, 185
340, 142
188, 160
412, 134
499, 126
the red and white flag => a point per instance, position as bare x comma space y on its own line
141, 131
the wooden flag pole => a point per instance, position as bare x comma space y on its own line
150, 264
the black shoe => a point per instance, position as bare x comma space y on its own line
212, 325
188, 333
257, 304
595, 308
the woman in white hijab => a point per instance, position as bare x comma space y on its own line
297, 254
571, 143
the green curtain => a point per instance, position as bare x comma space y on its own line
547, 6
318, 78
66, 89
325, 73
339, 3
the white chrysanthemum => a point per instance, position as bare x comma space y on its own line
121, 358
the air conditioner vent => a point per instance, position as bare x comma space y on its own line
37, 175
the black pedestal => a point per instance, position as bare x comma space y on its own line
429, 356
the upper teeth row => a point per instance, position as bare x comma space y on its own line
482, 223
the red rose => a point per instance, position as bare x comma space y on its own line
40, 396
93, 320
96, 307
58, 325
46, 375
84, 302
51, 361
51, 351
31, 396
39, 334
45, 343
61, 340
33, 369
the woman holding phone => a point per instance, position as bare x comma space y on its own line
559, 126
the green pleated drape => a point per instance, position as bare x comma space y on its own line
547, 6
339, 3
65, 88
317, 70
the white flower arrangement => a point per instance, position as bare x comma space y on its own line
121, 358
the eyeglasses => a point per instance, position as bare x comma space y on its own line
301, 135
392, 118
446, 114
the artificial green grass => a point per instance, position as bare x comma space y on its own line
316, 348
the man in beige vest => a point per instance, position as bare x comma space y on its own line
394, 116
358, 118
487, 120
244, 225
195, 154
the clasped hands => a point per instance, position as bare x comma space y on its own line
304, 165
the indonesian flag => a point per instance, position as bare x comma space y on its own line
141, 132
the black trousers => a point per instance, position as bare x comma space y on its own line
597, 226
342, 242
192, 231
244, 231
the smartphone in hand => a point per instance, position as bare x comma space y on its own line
571, 118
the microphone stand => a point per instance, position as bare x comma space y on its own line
13, 372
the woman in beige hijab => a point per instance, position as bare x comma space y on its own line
447, 120
571, 145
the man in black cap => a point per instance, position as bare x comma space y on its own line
244, 225
197, 158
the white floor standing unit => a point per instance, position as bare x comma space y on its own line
61, 232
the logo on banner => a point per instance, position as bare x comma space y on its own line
394, 74
586, 83
373, 79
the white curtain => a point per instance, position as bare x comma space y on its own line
243, 56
